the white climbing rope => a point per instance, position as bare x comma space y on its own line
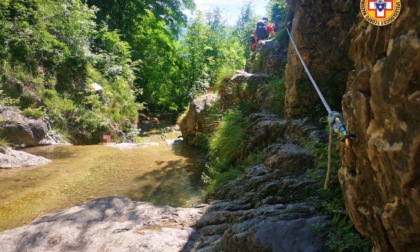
309, 75
335, 119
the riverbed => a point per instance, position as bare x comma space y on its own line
159, 170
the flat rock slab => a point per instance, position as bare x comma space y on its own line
10, 158
106, 224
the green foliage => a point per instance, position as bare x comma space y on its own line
151, 29
278, 8
278, 90
261, 56
34, 112
342, 236
126, 16
245, 26
226, 151
224, 75
7, 101
52, 53
3, 142
226, 144
219, 178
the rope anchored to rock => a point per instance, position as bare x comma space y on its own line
335, 119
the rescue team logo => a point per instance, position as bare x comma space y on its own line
380, 12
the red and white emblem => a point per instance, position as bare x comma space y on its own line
381, 7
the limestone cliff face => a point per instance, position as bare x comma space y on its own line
320, 31
380, 174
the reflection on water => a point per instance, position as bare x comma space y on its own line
160, 173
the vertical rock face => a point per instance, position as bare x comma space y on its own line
195, 124
320, 31
380, 174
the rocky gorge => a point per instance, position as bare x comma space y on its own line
372, 76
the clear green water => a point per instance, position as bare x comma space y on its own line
158, 173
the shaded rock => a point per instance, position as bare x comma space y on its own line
266, 228
10, 158
20, 130
107, 224
257, 171
290, 159
275, 235
245, 87
195, 123
268, 128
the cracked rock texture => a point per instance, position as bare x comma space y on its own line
380, 174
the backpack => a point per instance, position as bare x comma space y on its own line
261, 30
252, 39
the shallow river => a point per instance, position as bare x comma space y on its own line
156, 172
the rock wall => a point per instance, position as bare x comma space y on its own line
380, 174
195, 124
20, 130
320, 31
267, 208
245, 87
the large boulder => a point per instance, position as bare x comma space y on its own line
195, 123
380, 173
20, 130
246, 87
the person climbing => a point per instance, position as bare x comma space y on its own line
277, 22
261, 32
252, 40
270, 29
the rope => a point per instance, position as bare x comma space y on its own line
335, 119
310, 76
330, 143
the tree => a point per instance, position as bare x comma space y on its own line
278, 8
127, 15
209, 50
245, 26
52, 52
151, 28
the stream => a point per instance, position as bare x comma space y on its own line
159, 171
